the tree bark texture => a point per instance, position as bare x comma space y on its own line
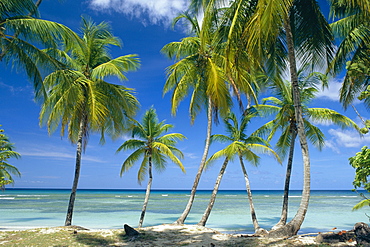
186, 212
72, 197
294, 225
147, 193
284, 211
206, 214
257, 228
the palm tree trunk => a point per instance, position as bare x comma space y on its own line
284, 211
72, 197
147, 193
206, 214
257, 228
294, 225
186, 212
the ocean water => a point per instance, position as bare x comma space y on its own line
100, 209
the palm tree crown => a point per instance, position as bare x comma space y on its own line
22, 34
353, 29
240, 143
79, 92
154, 147
152, 144
6, 169
282, 106
80, 100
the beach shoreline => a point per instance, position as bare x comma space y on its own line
165, 235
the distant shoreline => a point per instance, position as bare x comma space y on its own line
182, 190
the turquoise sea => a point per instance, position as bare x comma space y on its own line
99, 209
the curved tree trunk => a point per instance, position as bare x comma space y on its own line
186, 212
284, 211
294, 225
72, 197
206, 214
257, 228
147, 193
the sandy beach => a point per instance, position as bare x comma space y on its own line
161, 235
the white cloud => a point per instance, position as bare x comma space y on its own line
57, 155
191, 155
345, 138
15, 90
153, 11
331, 93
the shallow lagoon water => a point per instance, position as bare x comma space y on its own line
100, 209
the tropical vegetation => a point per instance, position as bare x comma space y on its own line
154, 147
361, 163
281, 107
6, 169
353, 29
242, 147
80, 100
299, 32
236, 50
21, 33
198, 68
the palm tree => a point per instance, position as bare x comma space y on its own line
354, 50
277, 33
298, 27
80, 100
153, 148
198, 68
244, 147
6, 169
22, 33
282, 106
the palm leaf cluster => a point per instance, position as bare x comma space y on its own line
353, 29
80, 100
151, 145
240, 145
154, 147
79, 92
23, 36
6, 152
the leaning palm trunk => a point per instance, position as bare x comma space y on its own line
72, 197
186, 212
284, 211
147, 193
257, 228
294, 225
206, 214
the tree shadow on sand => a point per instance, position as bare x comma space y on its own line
177, 235
93, 240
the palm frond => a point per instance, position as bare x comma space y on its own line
131, 144
116, 67
131, 160
143, 170
361, 204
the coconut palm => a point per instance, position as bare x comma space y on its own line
6, 169
301, 29
282, 107
279, 32
153, 147
198, 69
244, 147
22, 34
81, 101
353, 29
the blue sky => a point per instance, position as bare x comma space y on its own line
144, 27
